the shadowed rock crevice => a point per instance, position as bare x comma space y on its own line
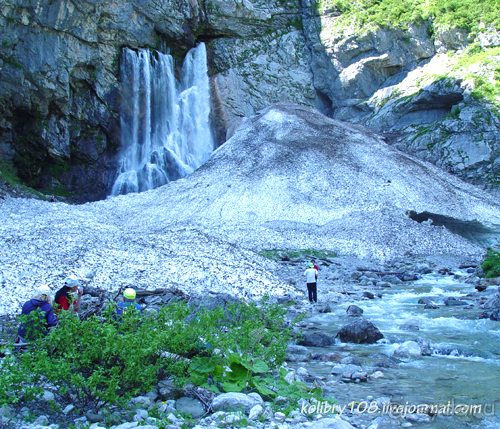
472, 230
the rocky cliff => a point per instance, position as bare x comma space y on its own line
431, 91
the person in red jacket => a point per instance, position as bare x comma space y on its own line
65, 297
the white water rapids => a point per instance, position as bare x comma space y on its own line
165, 126
463, 366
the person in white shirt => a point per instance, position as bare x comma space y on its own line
311, 275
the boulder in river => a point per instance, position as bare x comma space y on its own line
360, 331
316, 339
409, 349
426, 300
410, 325
452, 301
296, 353
369, 295
354, 311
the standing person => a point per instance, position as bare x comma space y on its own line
65, 298
313, 261
34, 328
311, 274
128, 302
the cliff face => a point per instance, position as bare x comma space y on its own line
59, 78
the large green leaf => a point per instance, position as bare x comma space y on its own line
233, 386
264, 390
198, 378
259, 366
238, 372
203, 365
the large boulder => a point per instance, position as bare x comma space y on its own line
360, 331
316, 339
235, 402
296, 353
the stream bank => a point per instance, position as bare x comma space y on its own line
440, 347
432, 353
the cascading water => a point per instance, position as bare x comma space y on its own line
165, 128
464, 355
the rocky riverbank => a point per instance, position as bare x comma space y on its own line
342, 281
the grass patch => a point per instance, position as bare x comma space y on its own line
9, 175
277, 255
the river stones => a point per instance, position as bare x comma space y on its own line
410, 325
354, 311
409, 349
296, 353
325, 309
383, 285
331, 357
334, 422
316, 339
190, 406
360, 331
390, 278
235, 402
452, 301
423, 269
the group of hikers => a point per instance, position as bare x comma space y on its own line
68, 298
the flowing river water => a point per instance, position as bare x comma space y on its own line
463, 368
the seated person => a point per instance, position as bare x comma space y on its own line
128, 302
65, 299
36, 328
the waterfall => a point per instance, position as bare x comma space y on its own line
165, 129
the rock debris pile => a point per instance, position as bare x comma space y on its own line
289, 178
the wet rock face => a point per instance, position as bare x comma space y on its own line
59, 66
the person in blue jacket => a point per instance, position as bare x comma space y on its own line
128, 302
37, 327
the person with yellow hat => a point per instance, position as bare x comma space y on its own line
128, 302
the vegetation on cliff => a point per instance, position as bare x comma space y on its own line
469, 15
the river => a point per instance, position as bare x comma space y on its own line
463, 368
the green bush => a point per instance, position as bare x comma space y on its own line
102, 361
491, 264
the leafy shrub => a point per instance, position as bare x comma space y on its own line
491, 264
100, 361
